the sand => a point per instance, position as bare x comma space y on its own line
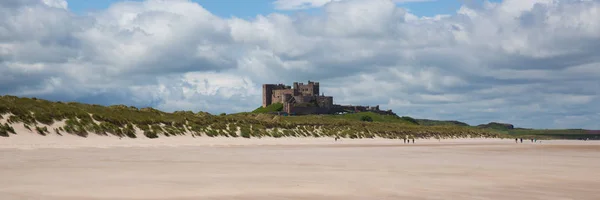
103, 168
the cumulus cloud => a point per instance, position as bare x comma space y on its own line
531, 63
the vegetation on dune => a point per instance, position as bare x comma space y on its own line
127, 121
5, 129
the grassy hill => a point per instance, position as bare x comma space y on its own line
127, 121
570, 134
497, 126
270, 108
429, 122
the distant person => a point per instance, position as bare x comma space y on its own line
404, 140
413, 140
521, 140
516, 140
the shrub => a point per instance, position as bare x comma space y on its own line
245, 134
212, 133
3, 130
233, 133
366, 118
245, 131
41, 130
57, 132
150, 134
6, 128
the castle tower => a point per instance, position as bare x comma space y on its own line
315, 88
267, 94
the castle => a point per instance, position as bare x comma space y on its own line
304, 99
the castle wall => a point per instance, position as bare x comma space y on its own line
278, 95
303, 99
309, 110
325, 101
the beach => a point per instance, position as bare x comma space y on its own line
184, 167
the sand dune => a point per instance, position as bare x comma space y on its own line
69, 167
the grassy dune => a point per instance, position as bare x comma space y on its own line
125, 121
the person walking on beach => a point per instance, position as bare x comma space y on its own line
413, 140
516, 140
521, 140
404, 140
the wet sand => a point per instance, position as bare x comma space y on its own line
225, 168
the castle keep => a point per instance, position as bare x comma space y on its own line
303, 99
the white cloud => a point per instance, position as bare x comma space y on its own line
56, 3
306, 4
531, 63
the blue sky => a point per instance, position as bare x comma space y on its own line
251, 8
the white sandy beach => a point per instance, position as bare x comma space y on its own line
184, 167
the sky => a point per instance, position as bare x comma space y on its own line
531, 63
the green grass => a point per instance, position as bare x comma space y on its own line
270, 108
